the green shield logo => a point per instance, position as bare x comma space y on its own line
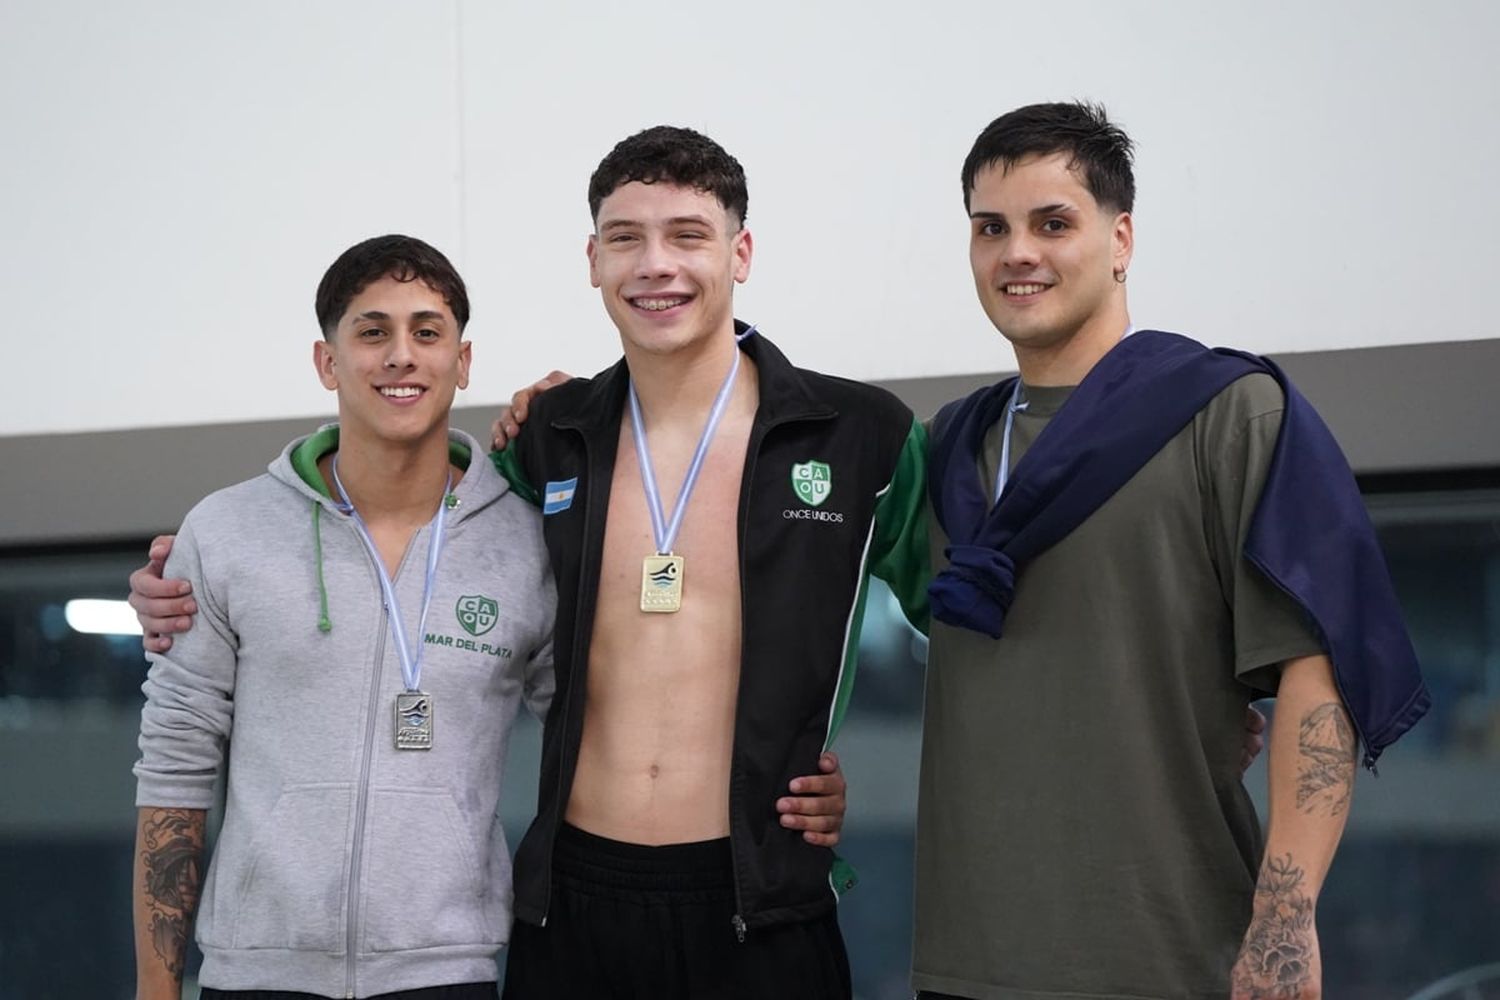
812, 481
477, 613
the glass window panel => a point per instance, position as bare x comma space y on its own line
1414, 895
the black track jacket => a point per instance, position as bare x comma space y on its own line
833, 488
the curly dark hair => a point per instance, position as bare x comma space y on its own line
667, 153
1100, 150
404, 258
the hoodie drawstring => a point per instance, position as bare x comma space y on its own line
325, 624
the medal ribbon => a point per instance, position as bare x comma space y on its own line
1016, 403
665, 531
411, 660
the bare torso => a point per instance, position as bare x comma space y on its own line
658, 730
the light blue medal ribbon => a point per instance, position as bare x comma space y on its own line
665, 531
662, 573
1002, 475
410, 655
1016, 404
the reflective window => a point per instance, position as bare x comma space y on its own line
1414, 893
1413, 897
69, 714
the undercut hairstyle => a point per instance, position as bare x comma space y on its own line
667, 154
404, 258
1099, 150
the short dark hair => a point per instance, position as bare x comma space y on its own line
1100, 150
404, 258
673, 155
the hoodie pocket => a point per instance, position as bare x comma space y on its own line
422, 885
292, 892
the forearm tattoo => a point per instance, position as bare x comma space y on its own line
171, 852
1325, 761
1276, 960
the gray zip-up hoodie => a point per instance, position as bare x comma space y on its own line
346, 867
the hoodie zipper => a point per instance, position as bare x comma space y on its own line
362, 801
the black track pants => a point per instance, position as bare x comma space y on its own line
466, 991
628, 922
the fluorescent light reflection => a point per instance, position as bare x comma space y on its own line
98, 617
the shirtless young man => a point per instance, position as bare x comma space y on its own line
658, 865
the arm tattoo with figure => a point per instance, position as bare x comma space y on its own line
171, 858
1276, 958
1325, 760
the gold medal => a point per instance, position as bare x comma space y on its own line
661, 583
661, 575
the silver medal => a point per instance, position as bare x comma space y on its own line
413, 720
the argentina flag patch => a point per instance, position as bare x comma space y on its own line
558, 496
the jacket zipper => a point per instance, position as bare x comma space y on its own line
752, 452
362, 801
580, 663
747, 483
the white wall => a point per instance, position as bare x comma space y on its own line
176, 175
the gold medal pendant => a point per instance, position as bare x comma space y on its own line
661, 583
661, 575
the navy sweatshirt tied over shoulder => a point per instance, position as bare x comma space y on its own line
1310, 533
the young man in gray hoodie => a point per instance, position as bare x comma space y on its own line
373, 610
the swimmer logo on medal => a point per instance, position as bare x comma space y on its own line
661, 583
413, 721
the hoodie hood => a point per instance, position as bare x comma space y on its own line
297, 468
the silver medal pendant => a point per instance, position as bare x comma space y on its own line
413, 720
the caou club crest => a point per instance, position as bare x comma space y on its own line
477, 614
812, 481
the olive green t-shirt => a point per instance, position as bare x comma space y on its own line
1082, 829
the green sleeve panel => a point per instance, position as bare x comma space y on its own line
508, 464
844, 690
841, 876
899, 554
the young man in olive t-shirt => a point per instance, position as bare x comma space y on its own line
1060, 855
